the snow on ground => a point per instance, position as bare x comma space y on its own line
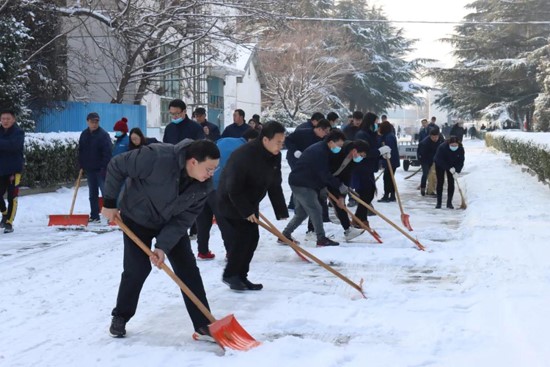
478, 296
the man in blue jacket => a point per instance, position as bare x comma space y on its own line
94, 154
12, 140
238, 127
211, 131
181, 126
312, 122
301, 139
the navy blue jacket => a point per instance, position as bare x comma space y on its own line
423, 133
445, 158
213, 129
235, 131
12, 141
299, 140
350, 130
187, 129
94, 150
363, 175
305, 125
313, 169
457, 131
427, 148
390, 140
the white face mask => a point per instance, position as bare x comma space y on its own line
453, 148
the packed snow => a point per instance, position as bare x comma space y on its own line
478, 296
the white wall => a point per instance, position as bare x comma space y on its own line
249, 97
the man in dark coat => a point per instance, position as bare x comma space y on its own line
426, 153
12, 140
458, 131
166, 188
312, 122
238, 127
181, 126
301, 139
351, 129
94, 154
449, 160
253, 170
211, 131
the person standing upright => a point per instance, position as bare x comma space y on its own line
351, 129
94, 154
181, 126
211, 131
252, 171
12, 140
238, 127
388, 151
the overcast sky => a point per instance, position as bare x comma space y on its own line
428, 35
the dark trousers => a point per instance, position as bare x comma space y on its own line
342, 216
440, 173
243, 237
389, 188
204, 224
96, 182
425, 172
11, 185
137, 267
366, 194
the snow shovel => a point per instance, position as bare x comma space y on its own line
227, 332
71, 219
380, 175
416, 242
463, 200
273, 230
404, 217
414, 173
372, 232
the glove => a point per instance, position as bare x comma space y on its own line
387, 156
385, 151
343, 189
452, 170
297, 154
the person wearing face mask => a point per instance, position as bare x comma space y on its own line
449, 159
181, 126
425, 153
122, 142
310, 175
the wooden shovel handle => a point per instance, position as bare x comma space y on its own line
395, 185
76, 186
168, 271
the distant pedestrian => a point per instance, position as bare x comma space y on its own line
211, 131
12, 140
94, 154
122, 140
238, 127
449, 160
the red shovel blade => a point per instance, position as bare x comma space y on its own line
68, 220
405, 221
227, 332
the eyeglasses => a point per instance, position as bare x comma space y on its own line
211, 171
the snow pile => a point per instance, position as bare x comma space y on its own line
541, 140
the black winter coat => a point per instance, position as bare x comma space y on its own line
151, 196
457, 131
427, 149
313, 169
445, 158
250, 173
12, 142
235, 131
94, 150
214, 131
299, 140
187, 129
390, 140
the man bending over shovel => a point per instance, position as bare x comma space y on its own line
166, 188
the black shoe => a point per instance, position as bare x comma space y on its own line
290, 238
8, 228
352, 203
422, 192
391, 198
118, 327
252, 286
450, 206
326, 242
235, 283
438, 206
384, 199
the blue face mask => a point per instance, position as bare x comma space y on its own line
177, 121
336, 150
118, 134
358, 159
454, 149
375, 127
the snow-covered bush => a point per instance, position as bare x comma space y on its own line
522, 150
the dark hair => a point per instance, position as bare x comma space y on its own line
200, 111
240, 112
317, 116
9, 112
251, 134
358, 115
434, 131
383, 117
368, 121
453, 139
335, 135
138, 132
323, 124
360, 145
332, 116
271, 128
256, 118
178, 103
385, 128
202, 150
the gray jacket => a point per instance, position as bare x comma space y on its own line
150, 196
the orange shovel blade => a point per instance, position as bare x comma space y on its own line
405, 221
68, 220
229, 333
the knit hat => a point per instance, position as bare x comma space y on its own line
121, 125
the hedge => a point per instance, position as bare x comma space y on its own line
50, 159
527, 153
